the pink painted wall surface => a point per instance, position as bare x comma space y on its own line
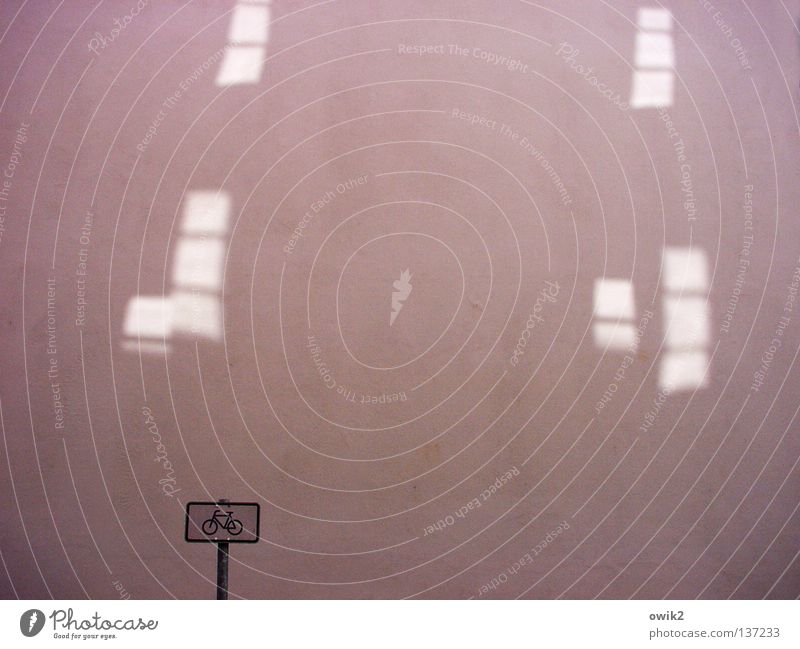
476, 299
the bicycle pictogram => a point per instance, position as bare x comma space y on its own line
223, 519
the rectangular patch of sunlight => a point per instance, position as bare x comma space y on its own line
249, 24
654, 50
683, 371
685, 270
242, 64
198, 263
687, 322
613, 298
654, 19
206, 212
148, 317
651, 89
616, 336
196, 314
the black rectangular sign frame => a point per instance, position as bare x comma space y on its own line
257, 531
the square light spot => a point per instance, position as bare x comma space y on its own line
241, 64
687, 322
613, 298
206, 212
196, 314
654, 50
198, 263
685, 270
654, 19
148, 317
249, 24
651, 89
614, 336
683, 371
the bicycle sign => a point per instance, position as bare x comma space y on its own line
215, 522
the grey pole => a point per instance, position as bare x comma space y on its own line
222, 565
222, 570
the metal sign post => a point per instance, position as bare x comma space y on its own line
222, 570
222, 522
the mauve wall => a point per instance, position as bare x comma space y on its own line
476, 299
